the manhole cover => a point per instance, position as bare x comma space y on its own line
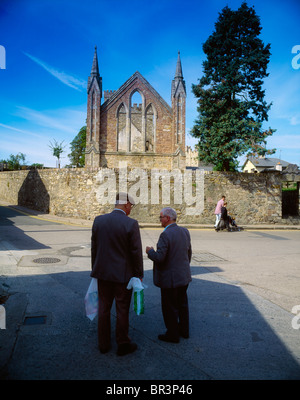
206, 257
39, 260
46, 260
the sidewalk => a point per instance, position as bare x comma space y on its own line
86, 223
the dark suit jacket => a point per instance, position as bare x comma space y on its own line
172, 258
116, 248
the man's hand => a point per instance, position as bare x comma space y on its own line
148, 248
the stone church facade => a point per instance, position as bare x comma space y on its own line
146, 135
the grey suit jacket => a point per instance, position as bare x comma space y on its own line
116, 248
172, 258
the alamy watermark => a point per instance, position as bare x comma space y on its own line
2, 317
153, 186
296, 319
296, 59
2, 57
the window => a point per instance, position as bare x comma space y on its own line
136, 123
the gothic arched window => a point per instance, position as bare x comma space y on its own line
150, 129
121, 129
136, 122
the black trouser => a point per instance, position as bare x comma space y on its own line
175, 309
108, 292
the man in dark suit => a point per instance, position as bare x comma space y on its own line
172, 274
116, 258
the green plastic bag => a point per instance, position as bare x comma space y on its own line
138, 302
138, 295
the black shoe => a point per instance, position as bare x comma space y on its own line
185, 336
126, 348
104, 350
166, 338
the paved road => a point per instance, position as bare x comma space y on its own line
243, 290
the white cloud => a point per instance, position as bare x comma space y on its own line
295, 119
33, 130
19, 130
284, 141
65, 120
69, 80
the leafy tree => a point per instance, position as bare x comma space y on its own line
231, 102
15, 162
77, 155
57, 150
37, 166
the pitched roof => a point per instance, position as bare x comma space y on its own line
128, 84
94, 73
178, 72
267, 162
95, 68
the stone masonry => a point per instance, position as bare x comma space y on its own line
252, 198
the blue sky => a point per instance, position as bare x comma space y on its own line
49, 47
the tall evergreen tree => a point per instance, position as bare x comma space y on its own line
231, 102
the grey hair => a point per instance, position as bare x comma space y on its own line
124, 198
169, 212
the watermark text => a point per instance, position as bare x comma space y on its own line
2, 57
296, 58
296, 319
2, 318
153, 187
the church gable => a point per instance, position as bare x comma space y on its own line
144, 131
135, 81
144, 127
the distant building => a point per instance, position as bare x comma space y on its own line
263, 164
192, 159
193, 162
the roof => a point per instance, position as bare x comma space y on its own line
128, 84
266, 162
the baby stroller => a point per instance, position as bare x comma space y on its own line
222, 224
233, 225
227, 223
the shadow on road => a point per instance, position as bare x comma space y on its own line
229, 338
14, 237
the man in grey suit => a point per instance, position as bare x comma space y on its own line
172, 274
116, 258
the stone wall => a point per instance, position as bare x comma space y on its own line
252, 198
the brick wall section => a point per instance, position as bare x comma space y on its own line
108, 137
102, 149
252, 198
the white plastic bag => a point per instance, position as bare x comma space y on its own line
138, 294
91, 300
